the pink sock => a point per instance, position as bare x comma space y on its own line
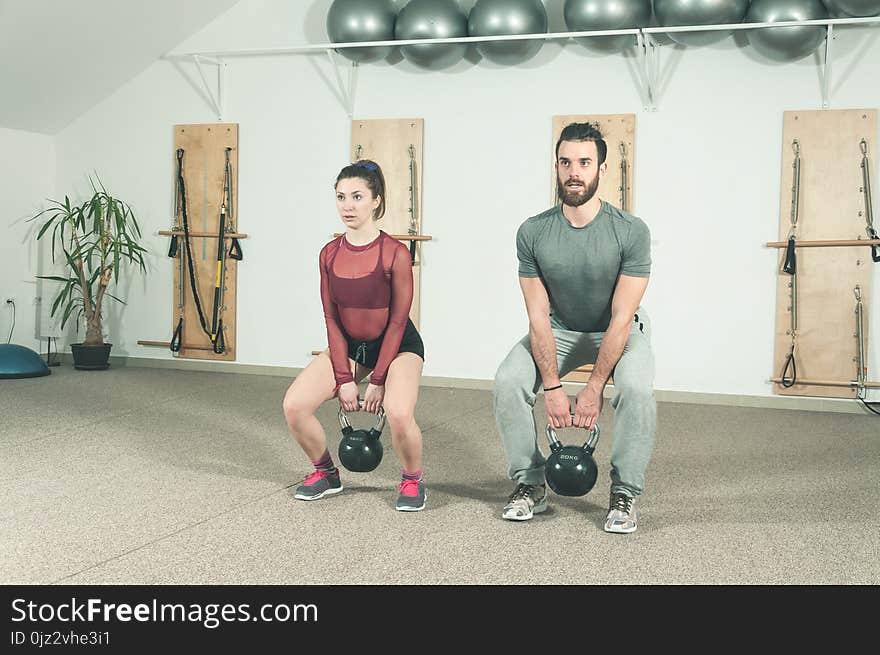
325, 463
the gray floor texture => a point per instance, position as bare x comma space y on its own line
153, 476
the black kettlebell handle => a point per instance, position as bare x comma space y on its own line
380, 421
590, 446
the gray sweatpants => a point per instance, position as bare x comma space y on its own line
635, 410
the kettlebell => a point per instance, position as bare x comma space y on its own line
571, 470
360, 450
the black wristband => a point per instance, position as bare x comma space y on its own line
558, 386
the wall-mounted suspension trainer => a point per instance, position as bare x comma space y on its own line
187, 242
789, 266
869, 207
224, 227
862, 372
205, 191
235, 251
623, 182
175, 252
413, 221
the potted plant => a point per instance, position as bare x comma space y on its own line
98, 238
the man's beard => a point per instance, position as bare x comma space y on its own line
575, 198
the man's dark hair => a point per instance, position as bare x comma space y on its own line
584, 132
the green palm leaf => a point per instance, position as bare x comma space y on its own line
95, 237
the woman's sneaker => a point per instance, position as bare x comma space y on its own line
525, 501
412, 496
319, 484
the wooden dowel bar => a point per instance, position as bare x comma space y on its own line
399, 237
166, 344
206, 235
829, 383
825, 244
588, 368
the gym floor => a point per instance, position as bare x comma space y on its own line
131, 477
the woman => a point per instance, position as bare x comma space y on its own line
366, 291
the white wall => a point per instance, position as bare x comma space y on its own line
27, 177
706, 180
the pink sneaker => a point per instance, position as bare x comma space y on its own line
412, 496
318, 484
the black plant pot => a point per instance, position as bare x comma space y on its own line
91, 358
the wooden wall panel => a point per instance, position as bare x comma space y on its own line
387, 142
204, 174
831, 207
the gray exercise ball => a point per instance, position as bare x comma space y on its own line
499, 17
351, 21
586, 15
432, 19
786, 43
854, 8
699, 12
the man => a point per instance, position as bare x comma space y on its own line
583, 269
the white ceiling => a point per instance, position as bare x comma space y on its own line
58, 58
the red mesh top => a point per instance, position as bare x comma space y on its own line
366, 291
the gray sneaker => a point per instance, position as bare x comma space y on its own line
411, 496
318, 484
622, 517
525, 501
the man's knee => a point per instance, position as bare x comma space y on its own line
634, 389
512, 378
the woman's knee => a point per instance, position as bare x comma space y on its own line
295, 407
399, 415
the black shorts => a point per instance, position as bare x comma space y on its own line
366, 353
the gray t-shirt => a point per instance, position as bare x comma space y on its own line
579, 265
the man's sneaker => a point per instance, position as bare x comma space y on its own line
525, 501
622, 517
412, 496
319, 484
